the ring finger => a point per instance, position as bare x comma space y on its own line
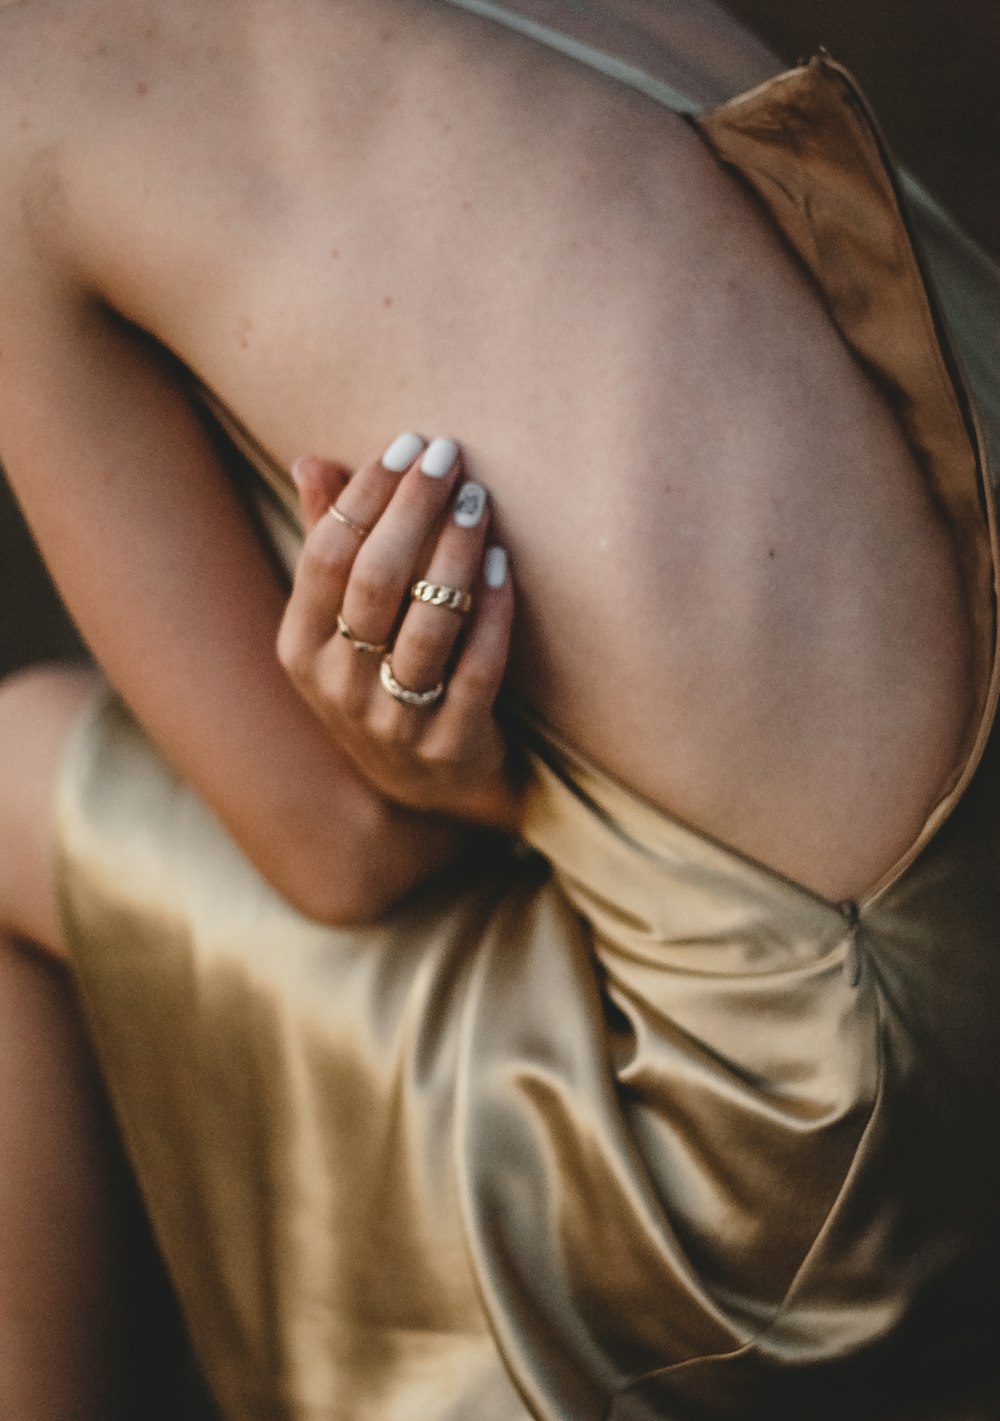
433, 621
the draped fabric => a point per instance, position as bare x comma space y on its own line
626, 1126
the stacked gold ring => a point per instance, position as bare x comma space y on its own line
436, 594
404, 694
358, 643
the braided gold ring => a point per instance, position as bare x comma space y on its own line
403, 694
358, 643
438, 595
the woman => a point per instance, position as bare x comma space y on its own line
673, 1133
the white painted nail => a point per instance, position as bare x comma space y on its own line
470, 505
441, 455
495, 567
402, 452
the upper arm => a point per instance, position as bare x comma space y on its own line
160, 566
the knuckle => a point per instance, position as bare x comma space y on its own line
479, 676
292, 655
323, 556
285, 645
424, 642
373, 586
437, 754
343, 692
402, 731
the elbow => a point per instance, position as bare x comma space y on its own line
334, 888
348, 877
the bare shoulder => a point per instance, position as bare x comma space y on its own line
88, 88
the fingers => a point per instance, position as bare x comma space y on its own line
478, 674
390, 558
332, 545
430, 629
367, 495
320, 483
392, 528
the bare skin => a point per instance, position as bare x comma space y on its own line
62, 1279
641, 515
449, 755
62, 1284
326, 210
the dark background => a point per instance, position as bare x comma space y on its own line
932, 70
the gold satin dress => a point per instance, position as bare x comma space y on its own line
627, 1127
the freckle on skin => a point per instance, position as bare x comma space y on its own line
386, 301
335, 253
142, 88
770, 552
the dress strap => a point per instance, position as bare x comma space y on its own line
598, 59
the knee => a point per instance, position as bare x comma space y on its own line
42, 693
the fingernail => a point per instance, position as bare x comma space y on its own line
495, 567
441, 455
402, 452
470, 505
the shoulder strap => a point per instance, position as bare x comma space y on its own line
598, 59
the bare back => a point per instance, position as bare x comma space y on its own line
354, 217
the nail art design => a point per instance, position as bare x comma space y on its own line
441, 455
402, 452
495, 568
470, 505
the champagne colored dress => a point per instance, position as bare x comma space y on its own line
630, 1127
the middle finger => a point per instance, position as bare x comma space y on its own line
432, 624
385, 565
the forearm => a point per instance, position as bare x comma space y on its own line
161, 568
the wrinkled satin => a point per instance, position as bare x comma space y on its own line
630, 1128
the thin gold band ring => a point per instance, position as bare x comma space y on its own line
358, 643
358, 529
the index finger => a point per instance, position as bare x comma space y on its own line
331, 547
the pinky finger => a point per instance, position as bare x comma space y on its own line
320, 483
478, 675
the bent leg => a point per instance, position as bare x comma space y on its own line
62, 1271
62, 1314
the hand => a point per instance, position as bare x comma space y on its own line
355, 642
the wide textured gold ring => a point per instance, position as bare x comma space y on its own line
358, 643
358, 529
437, 595
403, 694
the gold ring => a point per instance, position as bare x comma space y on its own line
358, 643
358, 529
403, 694
435, 593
